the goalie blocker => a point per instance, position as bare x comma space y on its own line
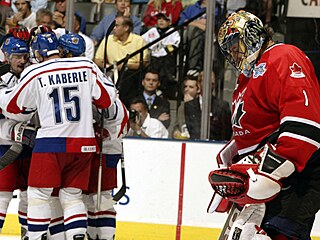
254, 179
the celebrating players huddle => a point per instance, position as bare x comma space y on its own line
51, 112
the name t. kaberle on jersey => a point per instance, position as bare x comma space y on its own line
63, 78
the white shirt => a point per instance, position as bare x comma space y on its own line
89, 43
89, 46
158, 49
30, 21
153, 128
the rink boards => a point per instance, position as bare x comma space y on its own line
167, 193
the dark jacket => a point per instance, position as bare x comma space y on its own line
220, 119
159, 106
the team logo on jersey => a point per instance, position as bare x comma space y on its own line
296, 71
259, 70
238, 111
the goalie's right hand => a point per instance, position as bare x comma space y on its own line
24, 133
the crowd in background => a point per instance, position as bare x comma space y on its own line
151, 76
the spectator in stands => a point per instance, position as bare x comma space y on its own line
122, 9
195, 33
220, 115
158, 107
142, 124
24, 17
44, 17
35, 5
5, 12
191, 90
171, 8
163, 58
59, 16
121, 43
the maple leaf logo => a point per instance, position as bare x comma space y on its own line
296, 71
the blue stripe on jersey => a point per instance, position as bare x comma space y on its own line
28, 111
23, 221
116, 113
112, 160
76, 224
56, 229
50, 145
92, 222
37, 227
106, 222
2, 116
1, 223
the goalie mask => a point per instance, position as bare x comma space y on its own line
240, 39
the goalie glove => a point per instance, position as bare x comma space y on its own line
225, 158
254, 179
24, 133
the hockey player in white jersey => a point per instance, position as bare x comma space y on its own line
14, 176
62, 90
101, 222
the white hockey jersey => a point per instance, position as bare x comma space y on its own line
62, 90
158, 49
8, 120
115, 122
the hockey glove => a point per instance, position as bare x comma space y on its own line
24, 133
254, 179
225, 158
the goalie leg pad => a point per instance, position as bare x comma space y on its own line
246, 226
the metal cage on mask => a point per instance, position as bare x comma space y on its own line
240, 39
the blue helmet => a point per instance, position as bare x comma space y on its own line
14, 45
45, 43
72, 43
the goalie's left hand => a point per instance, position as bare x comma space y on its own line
254, 179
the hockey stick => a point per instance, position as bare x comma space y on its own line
102, 119
232, 215
10, 155
123, 188
121, 192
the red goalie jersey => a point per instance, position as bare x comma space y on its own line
281, 95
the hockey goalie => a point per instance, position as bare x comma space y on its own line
270, 170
